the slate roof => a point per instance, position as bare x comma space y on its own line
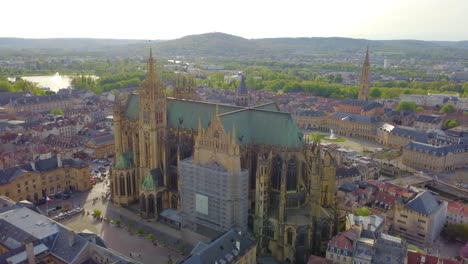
428, 119
46, 164
20, 225
310, 113
343, 172
437, 150
28, 100
74, 163
221, 248
416, 135
365, 105
356, 118
9, 174
13, 237
102, 140
424, 203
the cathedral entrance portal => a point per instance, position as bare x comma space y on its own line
151, 206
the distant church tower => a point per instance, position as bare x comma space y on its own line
365, 77
242, 93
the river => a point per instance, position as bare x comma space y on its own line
53, 83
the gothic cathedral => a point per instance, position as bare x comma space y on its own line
291, 182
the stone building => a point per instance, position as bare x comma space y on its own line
351, 125
435, 158
364, 86
46, 175
29, 237
398, 136
290, 182
231, 247
419, 219
213, 187
427, 122
242, 93
39, 104
101, 146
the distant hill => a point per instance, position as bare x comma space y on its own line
225, 46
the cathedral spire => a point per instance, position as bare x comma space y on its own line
365, 77
366, 60
150, 68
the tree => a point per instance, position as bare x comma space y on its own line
140, 231
406, 106
419, 109
450, 123
118, 222
363, 211
150, 236
97, 213
456, 232
316, 137
375, 93
57, 111
448, 108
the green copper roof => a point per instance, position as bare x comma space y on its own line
263, 124
263, 127
125, 161
133, 107
185, 113
268, 106
153, 180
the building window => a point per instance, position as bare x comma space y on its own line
421, 221
404, 216
290, 237
402, 229
402, 222
276, 172
421, 235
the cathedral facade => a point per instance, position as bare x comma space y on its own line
290, 181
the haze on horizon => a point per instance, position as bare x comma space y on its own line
144, 19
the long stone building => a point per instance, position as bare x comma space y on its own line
290, 187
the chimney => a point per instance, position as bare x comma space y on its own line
71, 238
423, 259
30, 253
59, 160
33, 165
369, 226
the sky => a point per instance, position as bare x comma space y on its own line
170, 19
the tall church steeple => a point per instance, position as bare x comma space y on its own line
151, 87
365, 78
242, 93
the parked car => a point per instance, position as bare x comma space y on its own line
65, 196
58, 195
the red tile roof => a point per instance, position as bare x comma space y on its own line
417, 258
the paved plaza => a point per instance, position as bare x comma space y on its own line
124, 239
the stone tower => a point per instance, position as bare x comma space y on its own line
152, 122
365, 78
242, 93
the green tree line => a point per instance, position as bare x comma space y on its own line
20, 86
